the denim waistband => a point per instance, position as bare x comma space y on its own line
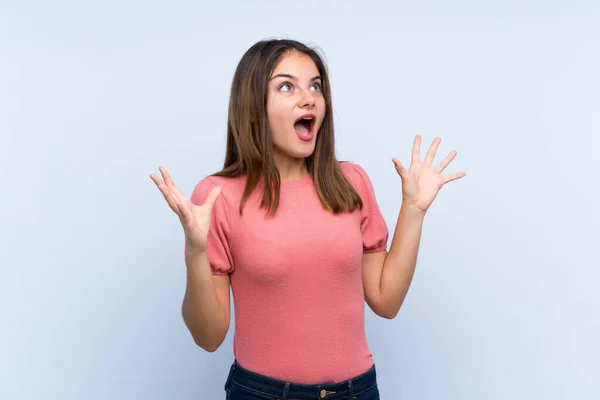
295, 391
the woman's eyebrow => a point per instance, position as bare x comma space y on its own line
292, 77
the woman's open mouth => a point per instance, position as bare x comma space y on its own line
304, 127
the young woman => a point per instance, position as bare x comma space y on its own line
297, 234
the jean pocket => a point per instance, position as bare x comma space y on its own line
229, 383
241, 392
370, 394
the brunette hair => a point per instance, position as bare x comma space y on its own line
249, 145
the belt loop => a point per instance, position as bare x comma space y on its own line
350, 389
285, 391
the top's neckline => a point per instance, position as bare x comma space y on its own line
301, 182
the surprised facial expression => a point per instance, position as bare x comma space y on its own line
295, 106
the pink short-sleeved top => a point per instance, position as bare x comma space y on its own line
296, 277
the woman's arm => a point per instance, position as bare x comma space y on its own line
387, 276
205, 308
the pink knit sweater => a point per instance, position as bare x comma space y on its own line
296, 278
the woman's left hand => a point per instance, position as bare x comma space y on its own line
421, 182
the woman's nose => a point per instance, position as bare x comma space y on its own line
307, 99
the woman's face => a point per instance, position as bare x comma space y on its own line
294, 90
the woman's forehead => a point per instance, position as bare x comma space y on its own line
297, 65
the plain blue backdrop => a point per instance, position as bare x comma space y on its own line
94, 96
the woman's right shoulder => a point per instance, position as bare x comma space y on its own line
227, 184
216, 180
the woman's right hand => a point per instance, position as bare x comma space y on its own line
194, 219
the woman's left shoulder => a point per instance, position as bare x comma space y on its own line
347, 166
352, 170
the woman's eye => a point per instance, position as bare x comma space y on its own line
316, 85
284, 85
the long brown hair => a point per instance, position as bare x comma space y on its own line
249, 145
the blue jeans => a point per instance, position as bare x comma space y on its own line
242, 384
